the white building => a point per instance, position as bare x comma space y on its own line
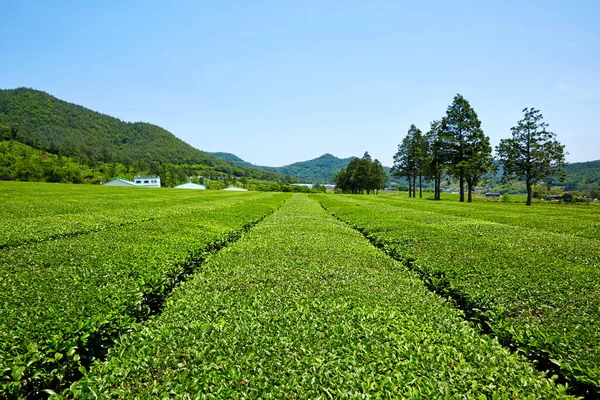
147, 181
233, 188
190, 185
142, 181
119, 182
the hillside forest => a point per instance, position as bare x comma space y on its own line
98, 146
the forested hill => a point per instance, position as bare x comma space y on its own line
583, 175
320, 169
317, 170
46, 123
232, 158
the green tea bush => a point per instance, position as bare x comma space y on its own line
64, 300
538, 289
304, 307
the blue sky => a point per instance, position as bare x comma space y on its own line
282, 81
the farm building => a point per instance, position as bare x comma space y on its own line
119, 182
147, 181
236, 189
143, 181
190, 185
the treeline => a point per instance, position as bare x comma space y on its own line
455, 147
583, 176
24, 163
89, 138
361, 174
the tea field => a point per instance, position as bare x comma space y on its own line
530, 274
159, 293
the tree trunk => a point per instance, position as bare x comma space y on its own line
529, 192
462, 189
420, 187
415, 186
470, 199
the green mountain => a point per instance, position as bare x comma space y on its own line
57, 127
583, 176
232, 158
318, 170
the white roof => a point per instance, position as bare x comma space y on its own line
190, 185
236, 188
119, 182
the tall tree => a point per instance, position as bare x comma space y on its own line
420, 155
352, 175
436, 158
407, 162
532, 153
363, 171
378, 177
468, 147
402, 164
479, 161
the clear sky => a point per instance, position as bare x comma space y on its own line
279, 81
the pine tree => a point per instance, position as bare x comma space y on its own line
408, 159
436, 158
532, 153
468, 147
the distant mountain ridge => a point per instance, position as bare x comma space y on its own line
232, 158
49, 124
318, 170
583, 175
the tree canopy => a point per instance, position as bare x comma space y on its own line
436, 157
409, 160
532, 153
361, 174
468, 147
